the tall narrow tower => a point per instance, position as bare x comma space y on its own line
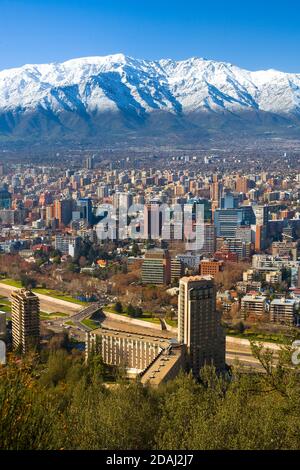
25, 310
199, 324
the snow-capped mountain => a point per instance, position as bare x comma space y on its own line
120, 95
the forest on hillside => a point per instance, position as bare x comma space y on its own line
59, 402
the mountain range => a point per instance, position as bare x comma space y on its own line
118, 98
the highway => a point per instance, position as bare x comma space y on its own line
47, 304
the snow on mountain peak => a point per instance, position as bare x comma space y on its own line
119, 82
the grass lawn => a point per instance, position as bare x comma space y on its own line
146, 315
5, 308
257, 336
90, 323
58, 295
50, 292
11, 282
70, 322
171, 323
51, 316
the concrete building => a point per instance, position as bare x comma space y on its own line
62, 211
67, 244
5, 198
25, 309
151, 356
156, 267
283, 311
199, 324
210, 267
253, 306
287, 249
209, 240
177, 270
273, 277
132, 351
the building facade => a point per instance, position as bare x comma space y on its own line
199, 324
25, 309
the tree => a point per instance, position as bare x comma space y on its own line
240, 327
27, 282
138, 312
131, 310
118, 307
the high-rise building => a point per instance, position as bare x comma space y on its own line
156, 267
177, 269
228, 220
209, 240
242, 184
199, 324
261, 214
215, 190
85, 207
5, 199
90, 162
63, 211
25, 309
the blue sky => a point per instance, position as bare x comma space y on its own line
252, 34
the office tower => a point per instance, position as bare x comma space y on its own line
242, 184
5, 198
199, 324
261, 214
209, 240
63, 211
215, 190
85, 207
229, 201
156, 267
177, 270
25, 309
204, 208
49, 213
228, 220
90, 162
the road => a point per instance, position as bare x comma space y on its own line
237, 350
47, 304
